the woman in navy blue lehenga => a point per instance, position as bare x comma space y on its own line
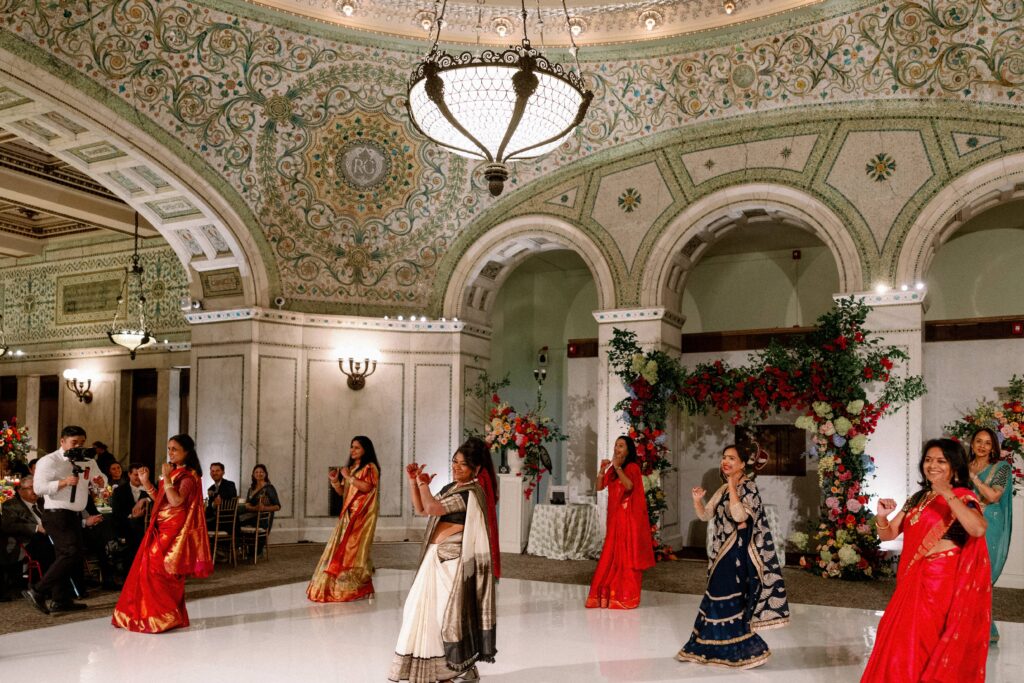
745, 590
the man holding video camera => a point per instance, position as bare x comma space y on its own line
62, 478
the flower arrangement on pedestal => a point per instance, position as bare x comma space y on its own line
1006, 419
523, 432
14, 443
825, 376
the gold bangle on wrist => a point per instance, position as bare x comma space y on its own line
882, 527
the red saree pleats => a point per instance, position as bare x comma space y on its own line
175, 546
628, 549
936, 625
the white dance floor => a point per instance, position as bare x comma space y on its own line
544, 635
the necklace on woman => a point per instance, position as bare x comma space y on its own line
916, 514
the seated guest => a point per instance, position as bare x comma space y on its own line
261, 497
220, 490
115, 475
22, 523
104, 458
129, 504
32, 465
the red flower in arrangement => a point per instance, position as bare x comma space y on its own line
886, 363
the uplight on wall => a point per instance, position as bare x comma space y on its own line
357, 370
78, 383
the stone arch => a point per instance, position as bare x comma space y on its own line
201, 225
487, 263
986, 186
707, 220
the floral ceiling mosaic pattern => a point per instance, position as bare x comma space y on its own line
358, 213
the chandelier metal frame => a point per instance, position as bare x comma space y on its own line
130, 337
529, 65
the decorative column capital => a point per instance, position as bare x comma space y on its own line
636, 315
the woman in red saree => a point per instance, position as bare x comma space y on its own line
175, 546
628, 547
345, 570
936, 625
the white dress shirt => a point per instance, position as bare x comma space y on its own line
53, 467
136, 492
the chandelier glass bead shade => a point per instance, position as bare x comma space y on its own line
496, 107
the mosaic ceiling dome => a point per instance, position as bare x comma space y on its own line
497, 21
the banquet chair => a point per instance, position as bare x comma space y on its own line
251, 536
224, 522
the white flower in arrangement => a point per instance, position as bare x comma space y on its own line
843, 537
828, 429
848, 555
822, 409
825, 555
858, 444
826, 463
805, 422
638, 363
833, 569
854, 407
799, 540
842, 426
650, 372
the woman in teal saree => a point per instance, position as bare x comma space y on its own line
991, 478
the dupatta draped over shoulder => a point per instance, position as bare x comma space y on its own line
468, 630
936, 626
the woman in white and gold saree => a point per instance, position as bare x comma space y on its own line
448, 623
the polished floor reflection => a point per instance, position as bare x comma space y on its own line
544, 634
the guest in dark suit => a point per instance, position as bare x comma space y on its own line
221, 490
128, 505
22, 522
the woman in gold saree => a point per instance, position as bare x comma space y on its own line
345, 570
175, 546
448, 623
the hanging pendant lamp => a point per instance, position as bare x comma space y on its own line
132, 334
496, 106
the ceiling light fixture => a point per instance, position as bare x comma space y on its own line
133, 333
497, 106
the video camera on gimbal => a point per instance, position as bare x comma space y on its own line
75, 456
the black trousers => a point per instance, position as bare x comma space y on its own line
65, 528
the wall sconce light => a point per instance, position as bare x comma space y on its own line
79, 384
357, 371
540, 374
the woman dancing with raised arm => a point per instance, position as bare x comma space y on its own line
448, 623
745, 590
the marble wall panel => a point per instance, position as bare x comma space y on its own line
219, 410
335, 414
434, 438
277, 424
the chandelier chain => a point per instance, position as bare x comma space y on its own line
572, 39
438, 20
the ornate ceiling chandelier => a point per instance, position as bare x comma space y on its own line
132, 334
498, 106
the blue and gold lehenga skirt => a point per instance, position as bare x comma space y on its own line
723, 633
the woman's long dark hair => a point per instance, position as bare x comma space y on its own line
955, 456
266, 479
369, 454
478, 454
191, 457
993, 456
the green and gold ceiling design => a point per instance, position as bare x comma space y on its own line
871, 108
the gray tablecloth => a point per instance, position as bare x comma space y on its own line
565, 532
